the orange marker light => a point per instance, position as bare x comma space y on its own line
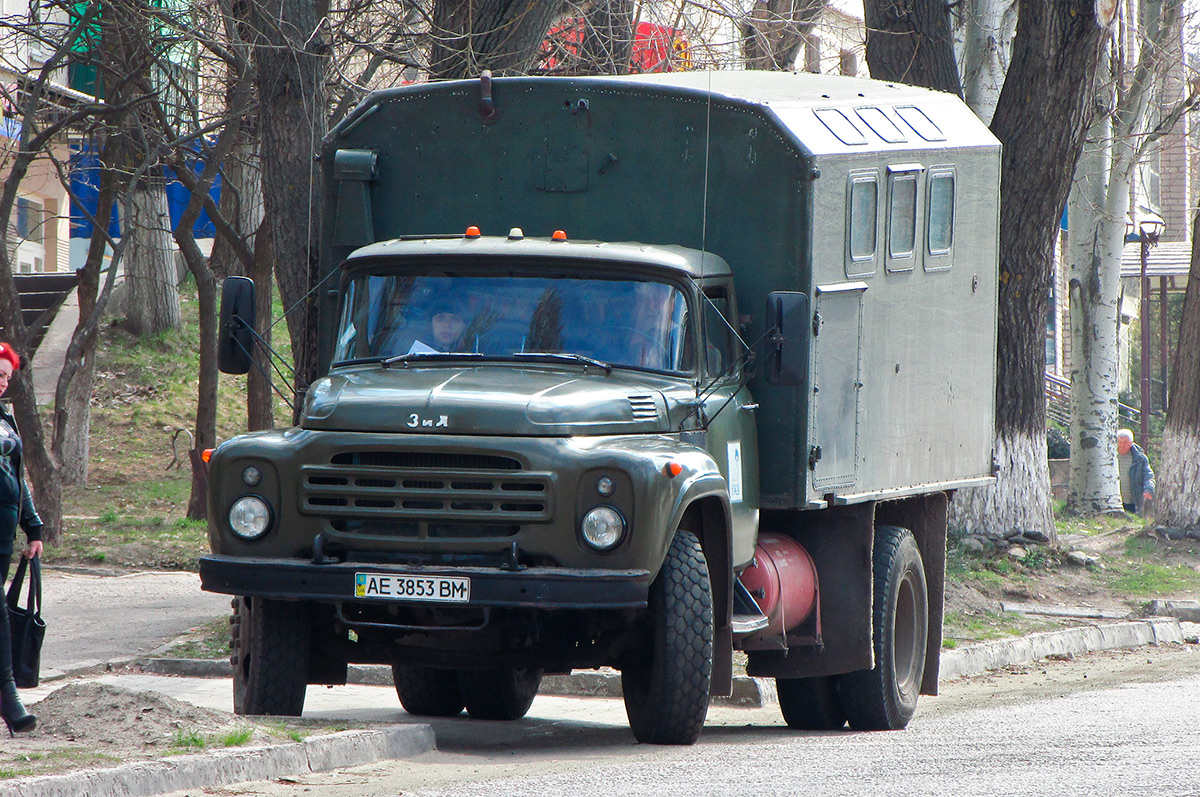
559, 235
673, 469
473, 232
206, 454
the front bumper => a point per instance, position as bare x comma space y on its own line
533, 587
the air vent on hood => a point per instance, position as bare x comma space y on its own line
643, 408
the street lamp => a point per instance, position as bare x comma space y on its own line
1148, 232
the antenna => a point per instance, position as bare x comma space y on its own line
707, 143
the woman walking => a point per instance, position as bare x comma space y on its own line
16, 508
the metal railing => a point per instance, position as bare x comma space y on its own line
1058, 402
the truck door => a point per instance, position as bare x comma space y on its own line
837, 370
732, 432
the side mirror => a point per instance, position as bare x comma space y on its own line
235, 339
789, 330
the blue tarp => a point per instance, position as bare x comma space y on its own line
85, 184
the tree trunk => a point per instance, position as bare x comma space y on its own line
910, 41
152, 303
775, 31
291, 63
987, 35
1177, 500
504, 36
40, 468
1056, 52
260, 398
72, 406
607, 44
206, 391
1094, 272
1103, 182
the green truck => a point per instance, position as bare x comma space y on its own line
624, 372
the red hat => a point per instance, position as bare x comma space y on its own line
7, 352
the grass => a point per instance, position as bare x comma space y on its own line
50, 761
187, 740
210, 641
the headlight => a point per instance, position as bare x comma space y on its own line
603, 528
249, 517
251, 476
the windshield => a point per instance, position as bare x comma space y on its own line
622, 322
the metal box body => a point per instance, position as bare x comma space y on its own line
756, 168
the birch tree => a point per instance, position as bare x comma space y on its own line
987, 28
1098, 210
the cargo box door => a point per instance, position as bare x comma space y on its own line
837, 366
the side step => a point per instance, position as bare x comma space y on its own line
747, 617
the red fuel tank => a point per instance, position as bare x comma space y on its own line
783, 580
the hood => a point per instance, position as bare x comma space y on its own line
488, 400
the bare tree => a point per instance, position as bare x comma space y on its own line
911, 41
469, 36
774, 31
131, 56
1098, 211
291, 62
1056, 51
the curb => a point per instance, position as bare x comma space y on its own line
757, 692
204, 770
984, 656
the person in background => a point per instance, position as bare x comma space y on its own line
1137, 477
16, 509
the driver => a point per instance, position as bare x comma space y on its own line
447, 322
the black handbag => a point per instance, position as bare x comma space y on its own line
26, 625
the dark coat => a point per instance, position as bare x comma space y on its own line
27, 516
1141, 477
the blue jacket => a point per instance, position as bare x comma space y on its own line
1141, 477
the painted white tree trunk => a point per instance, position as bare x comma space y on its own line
153, 304
1020, 498
987, 34
1096, 213
1177, 499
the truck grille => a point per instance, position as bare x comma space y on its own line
417, 494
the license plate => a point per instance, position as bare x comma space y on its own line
404, 587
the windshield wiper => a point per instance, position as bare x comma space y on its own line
565, 356
405, 359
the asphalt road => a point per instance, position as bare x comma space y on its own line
1120, 723
98, 618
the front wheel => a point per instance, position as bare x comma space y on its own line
270, 642
885, 698
667, 687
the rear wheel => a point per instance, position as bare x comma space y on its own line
885, 698
270, 644
502, 694
667, 688
810, 704
427, 692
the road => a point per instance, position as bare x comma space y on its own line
1121, 723
98, 618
